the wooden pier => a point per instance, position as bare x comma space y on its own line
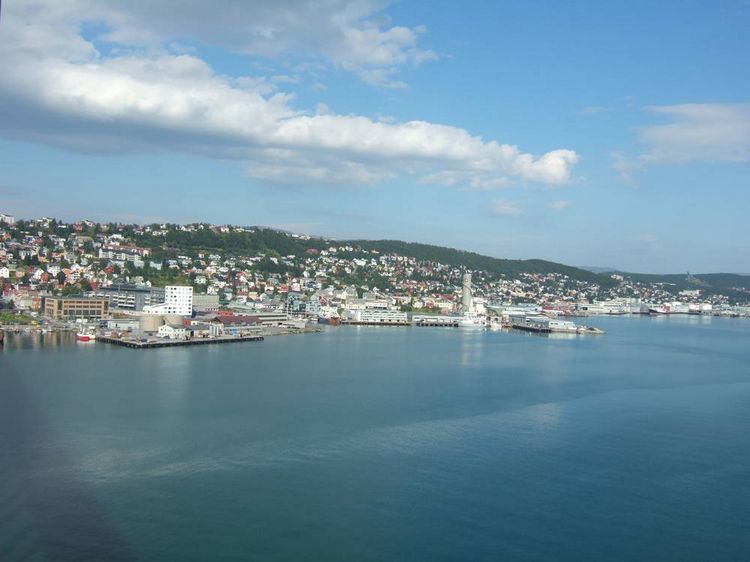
151, 344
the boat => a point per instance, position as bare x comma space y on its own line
333, 320
83, 337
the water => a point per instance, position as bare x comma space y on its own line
382, 444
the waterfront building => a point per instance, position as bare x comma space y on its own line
374, 316
295, 304
177, 300
172, 331
238, 325
75, 308
313, 307
131, 297
123, 324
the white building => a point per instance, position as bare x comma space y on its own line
172, 332
375, 317
7, 219
4, 273
177, 300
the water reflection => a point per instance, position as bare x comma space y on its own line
43, 499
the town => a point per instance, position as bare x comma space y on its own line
147, 285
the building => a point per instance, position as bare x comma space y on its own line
177, 300
131, 297
206, 303
74, 308
386, 317
7, 219
172, 331
238, 325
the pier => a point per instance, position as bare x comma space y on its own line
151, 344
348, 322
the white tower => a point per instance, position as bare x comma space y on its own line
467, 300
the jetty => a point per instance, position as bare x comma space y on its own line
152, 343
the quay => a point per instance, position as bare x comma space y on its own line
150, 344
348, 322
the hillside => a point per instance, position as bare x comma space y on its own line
272, 241
474, 261
728, 283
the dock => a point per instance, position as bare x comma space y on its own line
346, 322
152, 344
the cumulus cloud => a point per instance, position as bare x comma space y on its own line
58, 86
694, 133
353, 35
501, 207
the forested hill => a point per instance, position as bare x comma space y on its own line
474, 261
273, 241
711, 281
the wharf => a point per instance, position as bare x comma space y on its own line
356, 323
151, 344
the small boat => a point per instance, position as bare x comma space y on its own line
83, 337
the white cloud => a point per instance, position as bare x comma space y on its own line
57, 87
501, 207
559, 205
699, 133
711, 133
353, 35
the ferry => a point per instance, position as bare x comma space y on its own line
332, 320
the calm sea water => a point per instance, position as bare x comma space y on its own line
382, 444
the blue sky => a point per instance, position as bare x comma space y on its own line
591, 133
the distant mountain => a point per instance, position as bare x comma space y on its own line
718, 282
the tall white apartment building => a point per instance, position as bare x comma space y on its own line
177, 300
7, 219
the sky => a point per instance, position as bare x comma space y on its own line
610, 134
